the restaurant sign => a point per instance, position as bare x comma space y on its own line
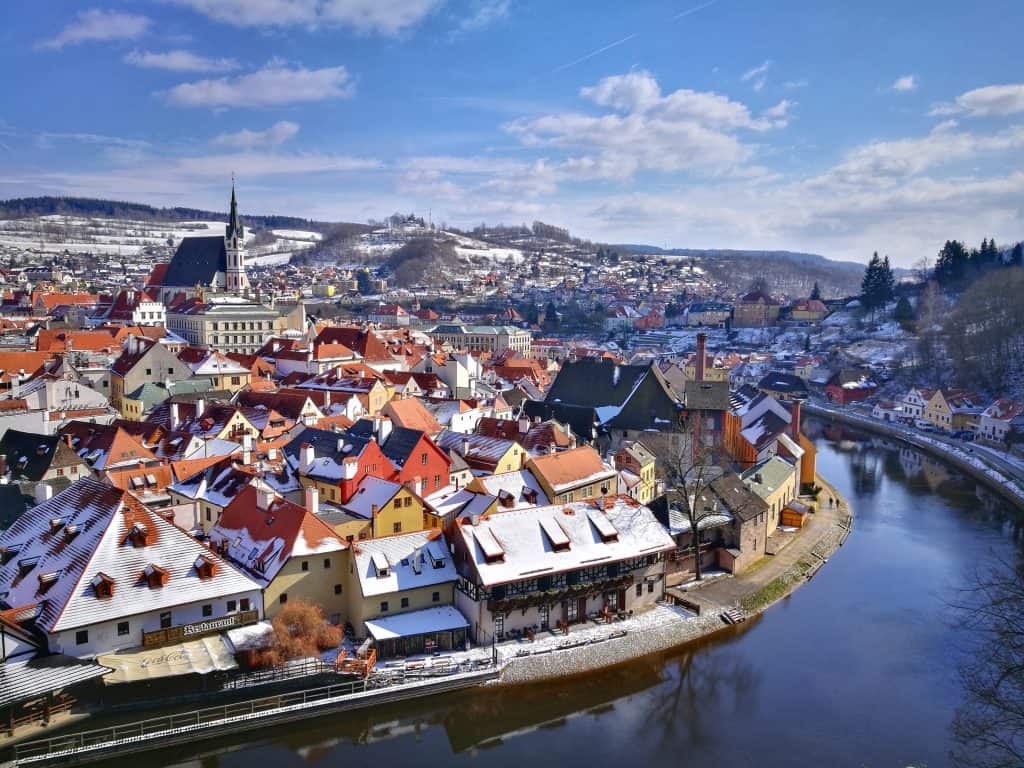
198, 629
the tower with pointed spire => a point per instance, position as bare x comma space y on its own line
234, 244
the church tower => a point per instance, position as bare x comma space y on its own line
234, 245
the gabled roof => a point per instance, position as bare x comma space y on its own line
569, 469
63, 545
366, 342
510, 546
31, 455
197, 261
412, 414
779, 381
261, 541
398, 563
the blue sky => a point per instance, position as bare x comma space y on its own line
834, 127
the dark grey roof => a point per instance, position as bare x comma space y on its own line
582, 419
778, 381
12, 504
398, 445
706, 395
197, 260
29, 455
738, 498
595, 383
325, 443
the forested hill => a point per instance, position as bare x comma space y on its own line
24, 207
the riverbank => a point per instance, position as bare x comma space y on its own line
972, 464
668, 627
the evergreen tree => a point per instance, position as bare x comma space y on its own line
1017, 256
951, 263
904, 313
886, 283
869, 285
816, 291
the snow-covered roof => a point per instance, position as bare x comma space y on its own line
514, 545
61, 547
441, 618
407, 561
515, 489
371, 492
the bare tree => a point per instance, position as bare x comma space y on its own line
989, 726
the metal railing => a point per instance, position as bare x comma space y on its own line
155, 728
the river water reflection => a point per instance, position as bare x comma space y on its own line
858, 668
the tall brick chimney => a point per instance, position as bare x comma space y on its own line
702, 345
794, 422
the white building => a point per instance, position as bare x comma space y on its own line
543, 567
95, 571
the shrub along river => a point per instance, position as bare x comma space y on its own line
858, 668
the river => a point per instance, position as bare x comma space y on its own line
857, 668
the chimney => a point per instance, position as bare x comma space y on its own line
3, 465
702, 350
271, 454
465, 445
175, 422
200, 407
306, 457
264, 497
43, 492
794, 421
384, 430
524, 425
312, 500
247, 449
67, 441
374, 509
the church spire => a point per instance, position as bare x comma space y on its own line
234, 223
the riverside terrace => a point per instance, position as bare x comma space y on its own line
527, 570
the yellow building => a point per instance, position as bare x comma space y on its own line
953, 409
574, 475
286, 548
776, 481
634, 458
486, 454
380, 508
398, 574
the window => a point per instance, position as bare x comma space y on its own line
207, 611
337, 589
650, 587
244, 603
437, 481
408, 501
405, 602
283, 598
398, 503
122, 628
236, 380
639, 589
435, 597
327, 562
423, 459
396, 528
305, 565
165, 620
383, 606
499, 625
149, 371
232, 605
82, 637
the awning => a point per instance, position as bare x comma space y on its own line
441, 619
22, 680
200, 657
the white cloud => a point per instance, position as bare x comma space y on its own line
98, 25
278, 133
757, 74
179, 61
802, 83
483, 14
905, 83
693, 131
383, 16
992, 100
275, 84
49, 137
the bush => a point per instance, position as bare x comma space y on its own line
300, 631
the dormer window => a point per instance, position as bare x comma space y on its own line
55, 524
205, 567
47, 580
102, 586
155, 576
380, 564
139, 535
8, 553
